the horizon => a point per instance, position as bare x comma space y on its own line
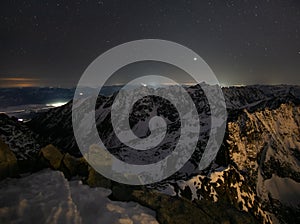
141, 84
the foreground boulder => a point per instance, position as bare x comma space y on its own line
97, 180
8, 162
51, 157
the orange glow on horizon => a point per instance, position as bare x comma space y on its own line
17, 79
11, 82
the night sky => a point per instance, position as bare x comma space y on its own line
50, 43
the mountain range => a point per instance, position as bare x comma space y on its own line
255, 177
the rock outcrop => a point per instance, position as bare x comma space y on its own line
8, 162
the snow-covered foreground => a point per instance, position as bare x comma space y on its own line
47, 197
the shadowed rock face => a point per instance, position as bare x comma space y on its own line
8, 162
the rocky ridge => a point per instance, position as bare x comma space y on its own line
256, 170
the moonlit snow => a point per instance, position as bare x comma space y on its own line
47, 197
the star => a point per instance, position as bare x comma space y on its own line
208, 27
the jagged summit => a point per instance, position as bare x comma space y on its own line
256, 170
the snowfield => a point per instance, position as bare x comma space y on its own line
47, 197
